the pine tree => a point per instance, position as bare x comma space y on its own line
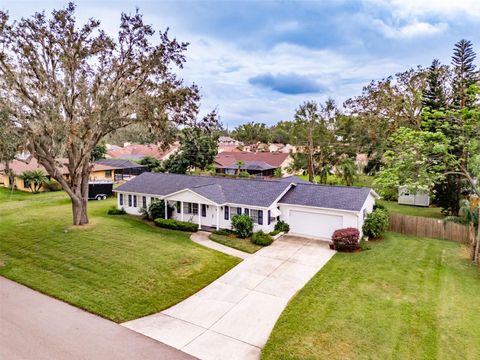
435, 94
464, 72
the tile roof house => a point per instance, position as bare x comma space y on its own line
262, 164
311, 210
138, 151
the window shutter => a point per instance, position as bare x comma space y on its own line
144, 202
239, 211
179, 205
268, 215
247, 212
134, 200
130, 200
204, 210
226, 212
260, 217
121, 199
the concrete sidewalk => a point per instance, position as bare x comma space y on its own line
233, 317
35, 326
201, 237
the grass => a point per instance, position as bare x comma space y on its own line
406, 298
430, 212
118, 267
236, 243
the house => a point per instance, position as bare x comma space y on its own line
138, 151
261, 164
311, 210
102, 170
226, 143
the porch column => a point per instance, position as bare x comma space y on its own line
218, 217
166, 208
181, 210
199, 216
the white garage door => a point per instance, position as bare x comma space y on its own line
314, 224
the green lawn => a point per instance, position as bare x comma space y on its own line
406, 298
118, 266
236, 243
430, 212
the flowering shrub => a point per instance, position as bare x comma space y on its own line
346, 239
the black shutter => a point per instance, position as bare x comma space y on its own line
247, 212
130, 200
239, 211
144, 202
178, 207
134, 200
226, 213
268, 220
260, 217
204, 210
121, 199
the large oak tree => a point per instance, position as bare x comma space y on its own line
66, 85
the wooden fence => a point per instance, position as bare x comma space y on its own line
428, 227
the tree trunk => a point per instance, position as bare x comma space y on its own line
477, 245
79, 209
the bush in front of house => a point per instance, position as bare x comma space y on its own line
242, 225
156, 209
346, 239
115, 211
261, 238
376, 224
52, 185
176, 225
274, 232
282, 226
223, 232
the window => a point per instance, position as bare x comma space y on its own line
144, 202
254, 216
108, 173
365, 214
120, 199
204, 210
190, 208
134, 200
226, 213
246, 212
236, 210
130, 200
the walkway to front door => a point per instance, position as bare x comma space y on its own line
232, 318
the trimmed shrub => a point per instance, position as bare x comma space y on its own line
223, 232
376, 224
176, 225
282, 226
115, 211
275, 232
156, 210
346, 239
243, 225
52, 185
261, 238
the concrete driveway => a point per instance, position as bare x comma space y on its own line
36, 326
232, 317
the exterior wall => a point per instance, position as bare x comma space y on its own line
366, 209
102, 175
4, 181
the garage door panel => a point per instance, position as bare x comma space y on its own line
314, 224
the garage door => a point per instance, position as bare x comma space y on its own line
314, 224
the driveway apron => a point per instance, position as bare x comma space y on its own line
233, 317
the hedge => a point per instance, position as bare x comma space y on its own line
261, 238
176, 225
346, 239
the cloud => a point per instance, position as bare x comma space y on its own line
290, 84
411, 30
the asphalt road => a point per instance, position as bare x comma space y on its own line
36, 326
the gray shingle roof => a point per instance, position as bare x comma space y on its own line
120, 164
250, 165
251, 192
218, 189
326, 196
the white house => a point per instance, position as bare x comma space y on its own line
311, 210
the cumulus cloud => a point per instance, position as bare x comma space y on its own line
411, 30
291, 83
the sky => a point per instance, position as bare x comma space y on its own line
259, 60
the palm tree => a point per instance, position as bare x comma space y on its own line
34, 179
469, 215
240, 164
348, 171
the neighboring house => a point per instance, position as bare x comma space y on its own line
261, 164
138, 152
102, 170
227, 144
311, 210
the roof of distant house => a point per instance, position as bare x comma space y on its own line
119, 164
226, 139
271, 158
249, 165
138, 151
262, 193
